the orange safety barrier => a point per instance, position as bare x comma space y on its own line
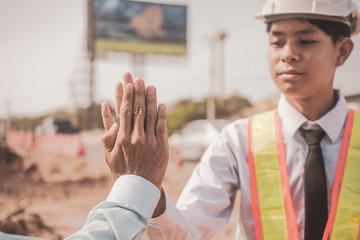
67, 145
19, 139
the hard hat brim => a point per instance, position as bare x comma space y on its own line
272, 17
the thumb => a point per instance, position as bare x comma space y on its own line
109, 138
161, 129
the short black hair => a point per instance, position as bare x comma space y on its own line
336, 30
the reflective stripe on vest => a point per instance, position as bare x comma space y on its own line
272, 207
344, 217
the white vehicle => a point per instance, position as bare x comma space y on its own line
51, 125
192, 141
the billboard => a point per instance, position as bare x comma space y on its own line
139, 27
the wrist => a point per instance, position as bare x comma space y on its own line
161, 206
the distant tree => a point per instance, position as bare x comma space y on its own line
232, 105
178, 114
82, 116
188, 110
183, 112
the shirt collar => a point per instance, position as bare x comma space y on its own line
332, 122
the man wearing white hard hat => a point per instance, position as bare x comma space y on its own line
297, 167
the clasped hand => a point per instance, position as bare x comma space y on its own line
138, 142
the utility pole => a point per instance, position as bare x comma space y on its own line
217, 73
210, 106
91, 57
221, 67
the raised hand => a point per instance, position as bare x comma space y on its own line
137, 143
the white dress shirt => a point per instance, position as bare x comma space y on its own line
207, 200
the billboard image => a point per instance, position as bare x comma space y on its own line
140, 27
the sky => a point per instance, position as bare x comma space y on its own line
42, 51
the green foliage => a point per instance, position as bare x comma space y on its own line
178, 115
83, 117
188, 110
27, 123
183, 112
230, 106
79, 118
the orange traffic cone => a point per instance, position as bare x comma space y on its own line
177, 158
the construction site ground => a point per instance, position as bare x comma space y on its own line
49, 196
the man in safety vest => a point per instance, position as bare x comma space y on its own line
297, 167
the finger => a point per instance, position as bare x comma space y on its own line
151, 111
119, 91
127, 78
161, 129
106, 116
139, 108
126, 112
109, 138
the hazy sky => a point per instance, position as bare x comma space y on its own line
42, 46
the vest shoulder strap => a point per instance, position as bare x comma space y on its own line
344, 217
271, 202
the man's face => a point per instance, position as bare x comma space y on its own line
302, 59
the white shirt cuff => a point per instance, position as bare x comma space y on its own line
135, 192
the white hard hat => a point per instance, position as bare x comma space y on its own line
344, 11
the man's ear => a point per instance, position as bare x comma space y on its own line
344, 48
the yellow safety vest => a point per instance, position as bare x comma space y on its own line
271, 202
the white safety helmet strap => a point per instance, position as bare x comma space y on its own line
343, 11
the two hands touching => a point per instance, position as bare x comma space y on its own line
138, 142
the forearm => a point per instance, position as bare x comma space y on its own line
125, 213
111, 221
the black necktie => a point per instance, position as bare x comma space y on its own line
316, 204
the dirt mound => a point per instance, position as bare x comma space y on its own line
15, 181
10, 162
27, 224
13, 172
8, 156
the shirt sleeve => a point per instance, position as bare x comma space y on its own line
124, 214
205, 205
